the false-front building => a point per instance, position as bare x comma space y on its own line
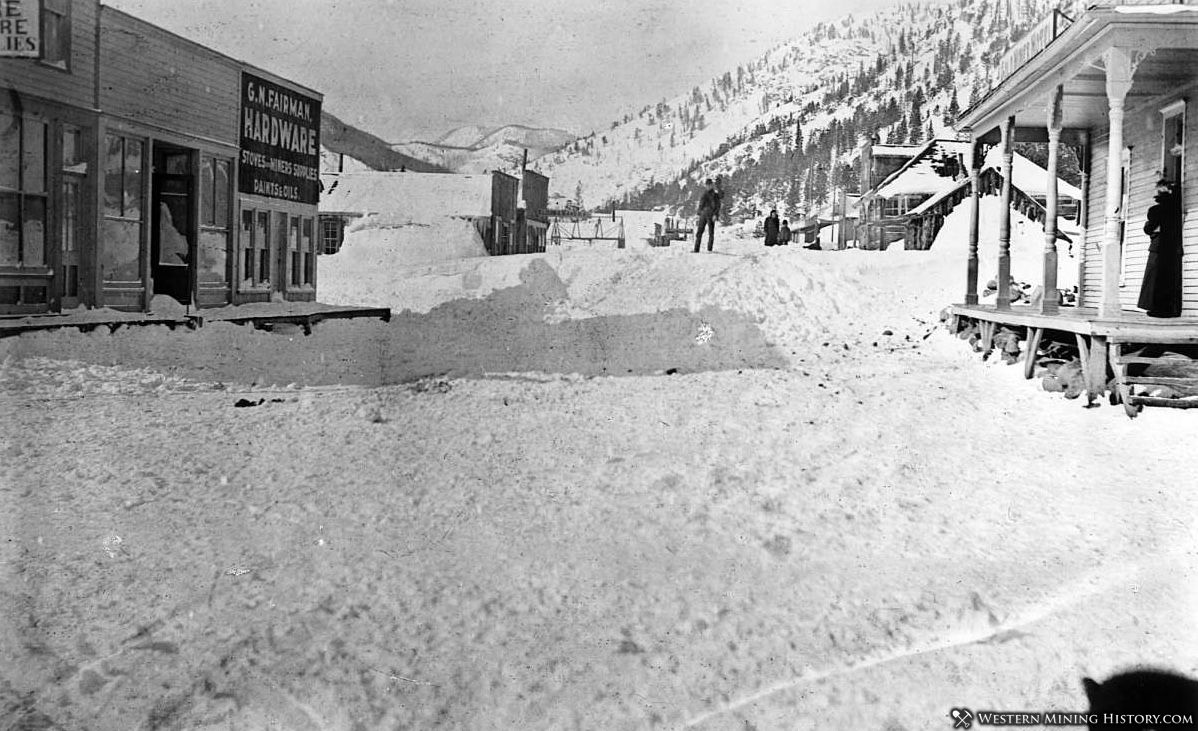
135, 163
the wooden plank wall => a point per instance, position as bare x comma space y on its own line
157, 78
1142, 131
75, 86
1096, 217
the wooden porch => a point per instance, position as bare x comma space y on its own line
1117, 354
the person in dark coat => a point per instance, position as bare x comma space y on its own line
784, 235
771, 228
709, 207
1161, 292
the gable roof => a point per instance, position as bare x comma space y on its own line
923, 173
1026, 176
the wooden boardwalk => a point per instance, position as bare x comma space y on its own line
261, 316
1113, 351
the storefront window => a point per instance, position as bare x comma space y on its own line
262, 236
10, 230
34, 238
214, 247
248, 245
23, 196
10, 151
309, 252
214, 221
120, 256
293, 243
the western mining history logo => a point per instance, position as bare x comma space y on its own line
965, 718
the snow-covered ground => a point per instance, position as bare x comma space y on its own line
602, 489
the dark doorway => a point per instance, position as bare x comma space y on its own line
172, 240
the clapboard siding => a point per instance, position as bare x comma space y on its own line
75, 86
1145, 140
159, 79
1096, 218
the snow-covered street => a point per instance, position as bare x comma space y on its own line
583, 489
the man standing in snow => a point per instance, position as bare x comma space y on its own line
709, 206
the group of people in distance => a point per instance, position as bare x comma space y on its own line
776, 235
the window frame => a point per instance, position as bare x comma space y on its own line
60, 9
23, 193
1169, 112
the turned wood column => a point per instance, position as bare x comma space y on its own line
1004, 216
1117, 62
1048, 300
975, 196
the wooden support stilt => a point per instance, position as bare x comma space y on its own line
1131, 406
1097, 368
987, 332
1033, 346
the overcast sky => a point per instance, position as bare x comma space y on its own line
414, 69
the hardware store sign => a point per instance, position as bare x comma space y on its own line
280, 142
20, 28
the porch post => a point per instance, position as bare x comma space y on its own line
1004, 216
1083, 217
1118, 83
1048, 299
975, 195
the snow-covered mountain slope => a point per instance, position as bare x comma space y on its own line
782, 128
475, 149
345, 147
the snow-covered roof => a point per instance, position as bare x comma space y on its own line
1161, 9
1030, 177
1027, 176
894, 150
419, 197
923, 174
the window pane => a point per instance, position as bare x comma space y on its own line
206, 216
71, 150
172, 230
214, 248
33, 249
10, 230
10, 151
120, 255
247, 248
220, 194
133, 159
33, 164
177, 163
71, 192
262, 241
306, 241
293, 239
54, 38
113, 162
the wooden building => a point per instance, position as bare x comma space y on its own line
488, 200
1028, 197
884, 207
536, 211
135, 163
1117, 83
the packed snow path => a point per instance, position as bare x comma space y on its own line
797, 529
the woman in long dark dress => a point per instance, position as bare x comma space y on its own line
771, 228
1161, 291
